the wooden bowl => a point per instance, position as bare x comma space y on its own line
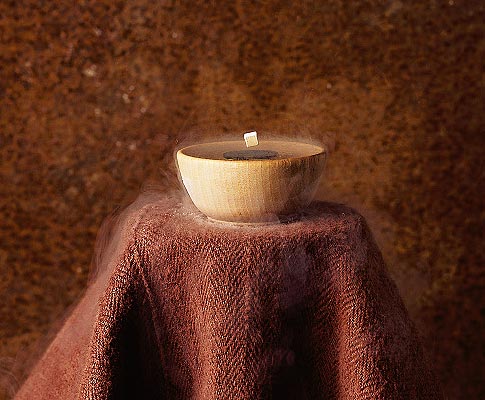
229, 182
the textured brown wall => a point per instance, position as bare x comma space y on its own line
94, 97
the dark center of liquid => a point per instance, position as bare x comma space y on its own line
250, 155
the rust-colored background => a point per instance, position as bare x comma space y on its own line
94, 97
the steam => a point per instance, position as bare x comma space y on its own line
115, 232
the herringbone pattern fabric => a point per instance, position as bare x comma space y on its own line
188, 309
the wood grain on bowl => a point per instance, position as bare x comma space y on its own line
252, 190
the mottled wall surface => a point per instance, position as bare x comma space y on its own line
95, 96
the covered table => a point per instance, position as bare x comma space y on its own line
185, 308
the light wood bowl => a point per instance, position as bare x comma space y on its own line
251, 190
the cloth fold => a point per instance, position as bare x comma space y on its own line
185, 308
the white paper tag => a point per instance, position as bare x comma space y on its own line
251, 139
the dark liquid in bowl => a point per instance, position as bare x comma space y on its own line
250, 155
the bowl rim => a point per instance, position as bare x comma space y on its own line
322, 151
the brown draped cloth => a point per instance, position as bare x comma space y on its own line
185, 308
